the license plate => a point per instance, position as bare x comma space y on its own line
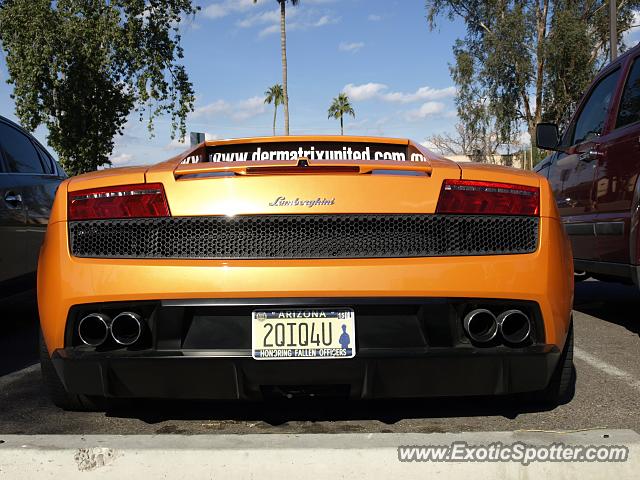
300, 333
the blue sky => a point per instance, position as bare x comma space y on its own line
380, 52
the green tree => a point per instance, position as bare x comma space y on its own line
568, 49
283, 52
476, 123
341, 106
522, 61
274, 95
80, 67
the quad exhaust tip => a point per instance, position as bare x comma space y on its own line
93, 329
126, 328
481, 325
515, 326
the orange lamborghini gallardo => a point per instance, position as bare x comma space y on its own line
293, 266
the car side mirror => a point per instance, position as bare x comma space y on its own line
547, 136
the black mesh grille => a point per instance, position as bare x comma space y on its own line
304, 236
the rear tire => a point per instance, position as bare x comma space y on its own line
561, 388
58, 393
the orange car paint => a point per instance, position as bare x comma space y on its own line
545, 276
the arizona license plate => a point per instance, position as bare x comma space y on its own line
299, 333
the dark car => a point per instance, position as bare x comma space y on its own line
29, 177
594, 173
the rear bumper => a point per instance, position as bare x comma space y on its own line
543, 277
371, 374
405, 347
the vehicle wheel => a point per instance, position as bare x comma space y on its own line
561, 388
58, 394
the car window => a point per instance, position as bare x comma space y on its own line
630, 102
60, 171
20, 155
590, 122
47, 161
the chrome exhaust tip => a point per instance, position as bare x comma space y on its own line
126, 328
515, 326
93, 329
480, 325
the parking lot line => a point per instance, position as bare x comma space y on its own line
607, 368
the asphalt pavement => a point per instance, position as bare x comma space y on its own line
607, 358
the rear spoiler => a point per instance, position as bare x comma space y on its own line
303, 157
302, 166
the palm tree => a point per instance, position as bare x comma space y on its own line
340, 107
283, 47
274, 95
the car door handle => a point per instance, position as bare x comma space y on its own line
13, 199
590, 156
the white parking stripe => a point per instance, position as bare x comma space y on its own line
12, 377
607, 368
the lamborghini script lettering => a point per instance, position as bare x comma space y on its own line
285, 202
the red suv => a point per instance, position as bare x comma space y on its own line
594, 173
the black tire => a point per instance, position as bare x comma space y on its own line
58, 394
561, 388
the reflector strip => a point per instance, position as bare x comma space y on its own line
116, 194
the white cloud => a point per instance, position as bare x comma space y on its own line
365, 91
423, 93
632, 37
352, 47
270, 16
122, 159
219, 106
238, 111
297, 19
380, 91
248, 108
304, 23
431, 146
374, 18
183, 143
271, 29
177, 144
427, 109
325, 20
226, 7
269, 20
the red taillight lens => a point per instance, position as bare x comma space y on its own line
475, 197
125, 201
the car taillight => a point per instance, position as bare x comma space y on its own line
125, 201
474, 197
